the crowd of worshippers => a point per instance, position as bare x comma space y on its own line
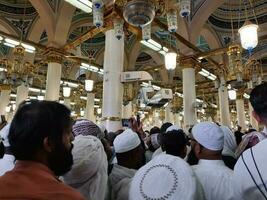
49, 156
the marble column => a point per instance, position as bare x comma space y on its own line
89, 110
189, 93
252, 120
241, 116
112, 86
53, 78
224, 104
177, 120
22, 94
4, 101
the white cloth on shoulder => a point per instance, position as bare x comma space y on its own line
89, 170
250, 177
119, 182
230, 145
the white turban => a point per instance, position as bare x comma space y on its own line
164, 177
251, 165
126, 141
4, 135
209, 135
230, 145
89, 171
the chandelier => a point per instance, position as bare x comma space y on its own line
16, 72
139, 13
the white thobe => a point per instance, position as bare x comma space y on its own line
7, 163
120, 179
246, 170
215, 179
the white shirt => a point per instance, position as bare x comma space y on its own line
215, 178
6, 164
245, 169
120, 179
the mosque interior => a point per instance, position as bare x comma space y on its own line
182, 61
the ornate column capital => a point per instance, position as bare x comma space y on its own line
54, 55
189, 62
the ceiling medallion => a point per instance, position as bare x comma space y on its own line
139, 13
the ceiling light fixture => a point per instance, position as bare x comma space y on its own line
84, 5
232, 94
89, 84
66, 91
170, 60
249, 35
139, 12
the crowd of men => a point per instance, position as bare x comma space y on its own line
47, 155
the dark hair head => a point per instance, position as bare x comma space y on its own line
154, 130
258, 100
33, 122
174, 143
165, 126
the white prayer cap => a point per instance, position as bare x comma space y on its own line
173, 127
164, 177
251, 165
89, 170
209, 135
4, 135
126, 141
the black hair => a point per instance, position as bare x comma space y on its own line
165, 126
174, 142
154, 130
258, 100
2, 150
34, 121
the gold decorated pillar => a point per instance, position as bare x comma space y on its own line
224, 103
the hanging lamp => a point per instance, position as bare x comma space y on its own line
89, 84
170, 60
249, 35
172, 20
66, 91
232, 94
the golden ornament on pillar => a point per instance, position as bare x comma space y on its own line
19, 51
235, 66
177, 104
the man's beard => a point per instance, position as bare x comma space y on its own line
60, 160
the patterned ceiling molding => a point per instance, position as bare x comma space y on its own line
14, 9
196, 4
21, 26
54, 4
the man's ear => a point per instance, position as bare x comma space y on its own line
257, 117
197, 150
47, 145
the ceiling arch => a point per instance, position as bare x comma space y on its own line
201, 16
